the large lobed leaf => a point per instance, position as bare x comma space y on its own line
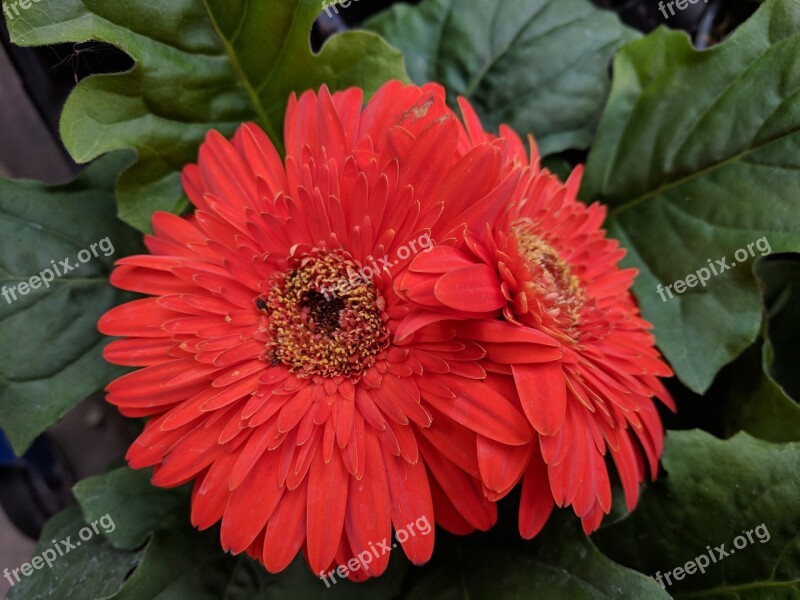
538, 65
698, 155
139, 508
559, 564
92, 566
50, 349
200, 65
714, 492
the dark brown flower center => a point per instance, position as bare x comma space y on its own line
324, 318
552, 282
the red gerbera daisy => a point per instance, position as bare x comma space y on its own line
541, 292
272, 377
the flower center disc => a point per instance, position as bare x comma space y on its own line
553, 283
324, 319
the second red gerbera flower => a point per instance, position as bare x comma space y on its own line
541, 292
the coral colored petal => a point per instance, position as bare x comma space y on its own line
327, 502
439, 259
473, 288
138, 318
411, 501
592, 520
369, 514
138, 352
286, 530
502, 332
514, 353
454, 441
477, 406
463, 491
448, 516
211, 494
536, 502
543, 394
501, 466
251, 504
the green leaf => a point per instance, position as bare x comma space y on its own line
698, 155
179, 562
50, 349
754, 403
779, 276
539, 65
297, 582
714, 492
93, 569
200, 65
558, 166
560, 564
137, 507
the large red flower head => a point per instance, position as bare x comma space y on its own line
272, 374
541, 292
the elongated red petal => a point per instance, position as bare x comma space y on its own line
501, 466
478, 407
536, 502
411, 501
286, 530
327, 502
244, 519
470, 288
369, 514
543, 393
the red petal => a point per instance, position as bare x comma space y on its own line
439, 259
286, 529
251, 505
511, 353
464, 492
501, 466
474, 289
139, 318
138, 352
327, 501
369, 516
411, 501
211, 493
543, 393
481, 409
536, 502
447, 516
492, 330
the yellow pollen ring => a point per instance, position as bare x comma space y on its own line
317, 325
